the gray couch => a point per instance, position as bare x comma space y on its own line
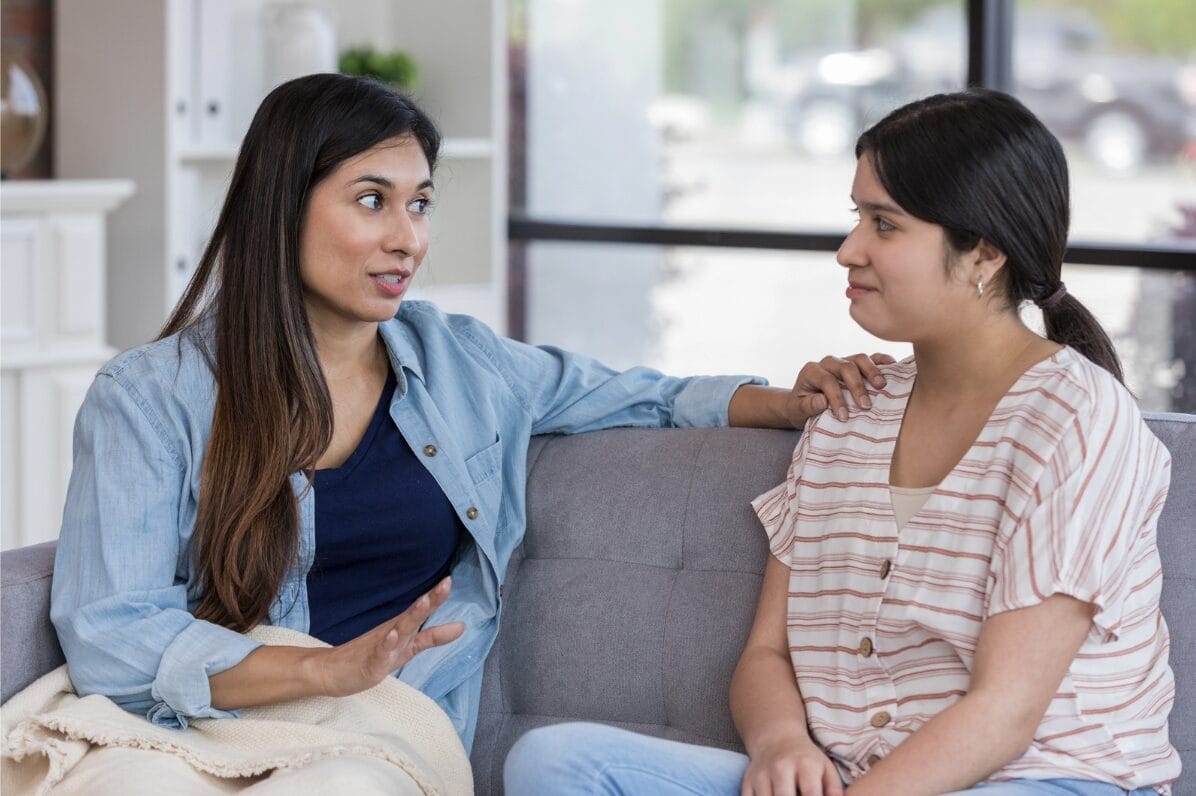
635, 587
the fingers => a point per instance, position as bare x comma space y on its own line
410, 621
436, 636
810, 777
832, 785
804, 774
868, 367
785, 784
852, 374
822, 380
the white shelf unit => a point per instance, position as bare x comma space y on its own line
51, 340
161, 92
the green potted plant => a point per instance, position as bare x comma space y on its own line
396, 68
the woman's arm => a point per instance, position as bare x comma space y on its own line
269, 675
819, 385
571, 393
767, 706
118, 601
1021, 658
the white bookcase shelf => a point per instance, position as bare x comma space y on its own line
51, 340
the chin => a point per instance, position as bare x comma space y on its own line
877, 329
383, 312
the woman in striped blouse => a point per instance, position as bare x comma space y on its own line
964, 586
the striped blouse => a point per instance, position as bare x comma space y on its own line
1060, 493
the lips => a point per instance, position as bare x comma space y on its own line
392, 283
396, 273
855, 290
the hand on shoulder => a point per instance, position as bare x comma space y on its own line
821, 385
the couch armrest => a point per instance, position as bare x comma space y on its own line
28, 645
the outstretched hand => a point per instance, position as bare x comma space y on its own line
367, 660
821, 385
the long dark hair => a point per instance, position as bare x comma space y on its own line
273, 413
979, 164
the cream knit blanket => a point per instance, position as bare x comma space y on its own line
48, 731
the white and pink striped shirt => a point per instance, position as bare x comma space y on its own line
1060, 493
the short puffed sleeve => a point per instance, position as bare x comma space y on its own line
777, 508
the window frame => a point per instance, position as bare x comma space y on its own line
990, 64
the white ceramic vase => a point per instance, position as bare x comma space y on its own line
299, 40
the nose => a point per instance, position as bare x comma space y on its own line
408, 235
850, 253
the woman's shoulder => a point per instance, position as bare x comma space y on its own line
1091, 407
1070, 384
900, 375
178, 366
425, 319
428, 333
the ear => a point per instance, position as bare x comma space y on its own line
987, 260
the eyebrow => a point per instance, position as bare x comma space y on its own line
880, 207
387, 184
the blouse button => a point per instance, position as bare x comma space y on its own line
866, 647
429, 450
885, 568
881, 719
472, 513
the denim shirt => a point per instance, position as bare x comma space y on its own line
469, 401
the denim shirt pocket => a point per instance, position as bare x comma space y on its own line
484, 468
486, 463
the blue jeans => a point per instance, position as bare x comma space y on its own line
574, 759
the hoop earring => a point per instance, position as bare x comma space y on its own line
980, 287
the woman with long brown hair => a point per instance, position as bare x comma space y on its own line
302, 447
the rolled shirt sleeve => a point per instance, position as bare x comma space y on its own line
119, 601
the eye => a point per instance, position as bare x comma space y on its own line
421, 205
372, 200
883, 225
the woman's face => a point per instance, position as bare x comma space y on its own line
900, 282
364, 235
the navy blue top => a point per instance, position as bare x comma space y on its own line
385, 533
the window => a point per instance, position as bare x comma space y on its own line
649, 137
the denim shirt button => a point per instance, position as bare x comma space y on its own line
429, 450
471, 513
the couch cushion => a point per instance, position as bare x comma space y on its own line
635, 587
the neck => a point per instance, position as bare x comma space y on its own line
350, 354
990, 355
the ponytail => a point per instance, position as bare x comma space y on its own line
1069, 322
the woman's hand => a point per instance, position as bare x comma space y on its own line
821, 384
790, 767
368, 659
273, 674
